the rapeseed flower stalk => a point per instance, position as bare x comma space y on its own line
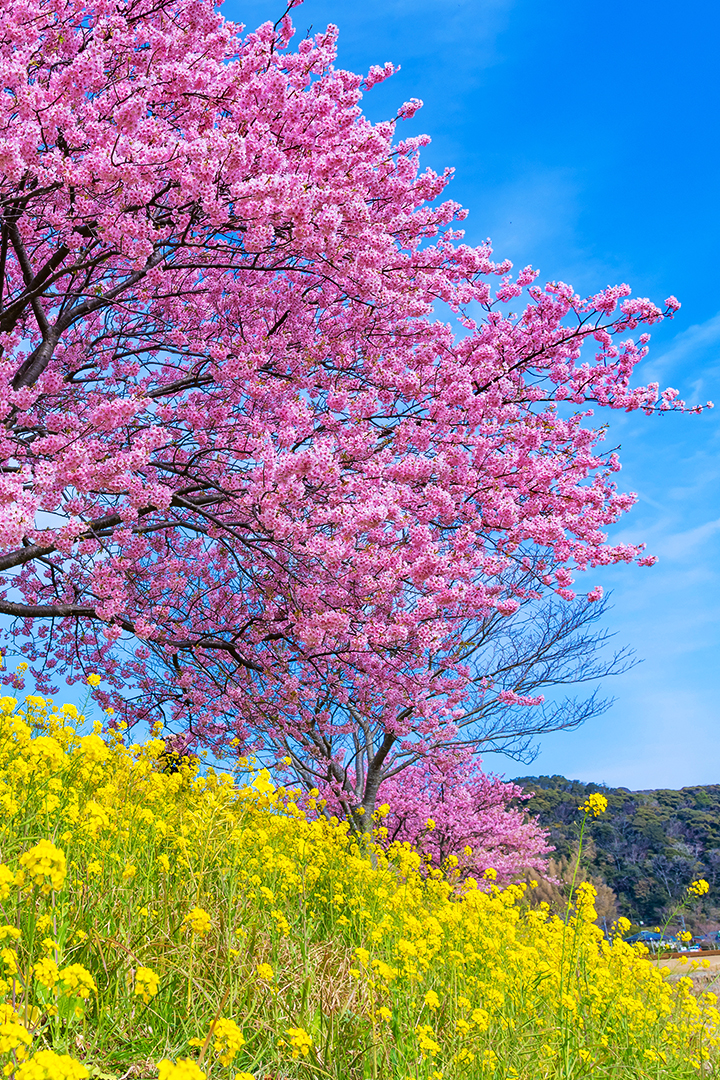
593, 806
196, 922
694, 890
299, 950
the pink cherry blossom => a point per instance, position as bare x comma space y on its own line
249, 473
447, 806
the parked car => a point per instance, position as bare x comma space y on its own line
654, 940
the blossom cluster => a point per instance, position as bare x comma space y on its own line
594, 805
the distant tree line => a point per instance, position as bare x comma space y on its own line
646, 848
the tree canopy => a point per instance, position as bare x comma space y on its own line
276, 441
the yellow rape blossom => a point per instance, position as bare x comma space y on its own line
184, 1069
146, 984
197, 921
76, 981
46, 972
14, 1036
47, 1065
426, 1039
46, 865
262, 783
7, 881
594, 805
229, 1040
300, 1041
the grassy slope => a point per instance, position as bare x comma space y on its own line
167, 917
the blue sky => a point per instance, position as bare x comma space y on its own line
585, 141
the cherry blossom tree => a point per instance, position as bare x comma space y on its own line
276, 442
510, 662
449, 809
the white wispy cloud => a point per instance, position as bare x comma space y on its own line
681, 545
698, 343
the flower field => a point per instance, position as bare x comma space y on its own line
159, 922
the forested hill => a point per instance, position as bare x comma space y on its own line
648, 846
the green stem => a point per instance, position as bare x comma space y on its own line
564, 939
190, 970
577, 867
